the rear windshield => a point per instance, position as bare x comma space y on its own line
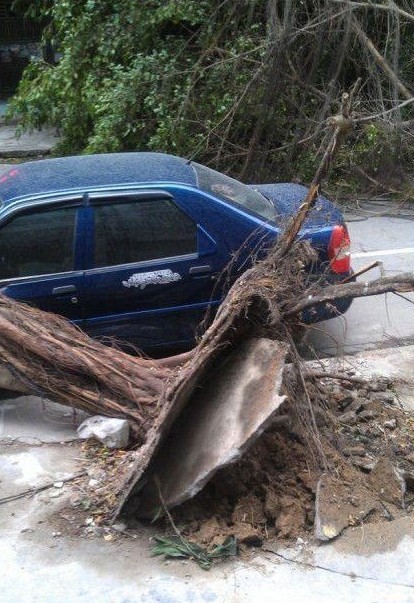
234, 192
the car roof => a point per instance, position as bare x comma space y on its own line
89, 171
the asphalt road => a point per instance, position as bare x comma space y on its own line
377, 233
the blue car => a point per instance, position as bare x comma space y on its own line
132, 245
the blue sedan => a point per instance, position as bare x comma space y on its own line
132, 245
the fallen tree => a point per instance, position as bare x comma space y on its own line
44, 354
47, 355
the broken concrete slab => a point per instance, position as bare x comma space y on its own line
223, 418
340, 504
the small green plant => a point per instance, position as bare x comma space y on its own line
178, 546
181, 548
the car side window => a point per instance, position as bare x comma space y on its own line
139, 231
37, 243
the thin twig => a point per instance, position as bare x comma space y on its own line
359, 120
33, 491
363, 270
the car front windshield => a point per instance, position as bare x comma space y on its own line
234, 192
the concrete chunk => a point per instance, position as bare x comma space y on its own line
113, 433
340, 503
221, 421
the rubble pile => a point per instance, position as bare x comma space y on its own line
278, 490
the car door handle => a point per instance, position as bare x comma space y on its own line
64, 289
199, 270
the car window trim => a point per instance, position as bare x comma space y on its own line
103, 198
5, 282
19, 208
143, 264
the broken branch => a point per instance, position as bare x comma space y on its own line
389, 284
380, 60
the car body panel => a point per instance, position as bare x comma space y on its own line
92, 172
61, 293
155, 302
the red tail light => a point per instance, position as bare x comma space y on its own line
339, 251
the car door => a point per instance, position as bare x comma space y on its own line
152, 270
40, 258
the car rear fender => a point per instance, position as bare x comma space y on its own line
322, 219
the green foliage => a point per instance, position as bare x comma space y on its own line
147, 75
178, 547
241, 85
371, 149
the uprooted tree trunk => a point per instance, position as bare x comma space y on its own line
47, 355
44, 354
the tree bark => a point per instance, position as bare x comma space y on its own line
403, 283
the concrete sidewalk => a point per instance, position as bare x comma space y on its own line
42, 561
